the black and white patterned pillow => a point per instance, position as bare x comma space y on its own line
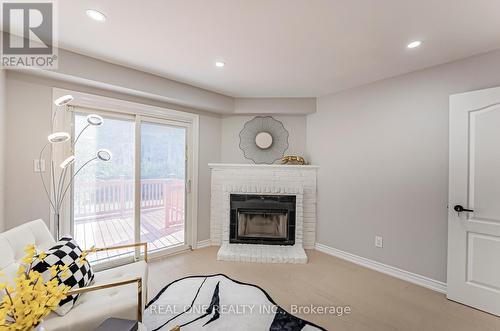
65, 252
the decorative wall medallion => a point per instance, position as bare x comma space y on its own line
263, 139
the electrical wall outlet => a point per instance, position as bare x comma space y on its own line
39, 165
379, 241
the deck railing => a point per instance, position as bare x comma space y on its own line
115, 198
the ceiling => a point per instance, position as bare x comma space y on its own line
280, 48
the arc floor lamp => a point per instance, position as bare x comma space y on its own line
59, 184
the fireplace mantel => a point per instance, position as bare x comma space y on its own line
295, 180
264, 166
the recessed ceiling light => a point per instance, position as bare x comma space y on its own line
96, 15
414, 44
219, 64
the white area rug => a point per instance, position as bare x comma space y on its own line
218, 302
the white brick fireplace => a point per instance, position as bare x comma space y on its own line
299, 181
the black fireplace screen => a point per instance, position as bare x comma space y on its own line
262, 219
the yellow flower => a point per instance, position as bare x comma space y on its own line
21, 270
25, 305
27, 259
53, 270
30, 250
42, 256
83, 257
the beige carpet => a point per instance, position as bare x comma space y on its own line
378, 302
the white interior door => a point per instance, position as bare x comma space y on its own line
474, 236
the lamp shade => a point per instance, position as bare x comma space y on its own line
94, 119
64, 100
58, 137
104, 155
67, 162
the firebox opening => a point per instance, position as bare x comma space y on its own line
267, 224
262, 219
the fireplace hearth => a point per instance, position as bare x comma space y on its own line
262, 219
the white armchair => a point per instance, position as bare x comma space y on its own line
118, 292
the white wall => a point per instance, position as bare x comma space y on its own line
232, 125
209, 152
29, 104
28, 124
2, 147
383, 156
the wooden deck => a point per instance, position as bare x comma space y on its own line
113, 230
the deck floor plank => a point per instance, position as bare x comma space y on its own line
98, 240
115, 237
118, 231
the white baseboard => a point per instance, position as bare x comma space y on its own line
384, 268
203, 244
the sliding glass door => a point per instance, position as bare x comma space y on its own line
103, 192
163, 185
140, 195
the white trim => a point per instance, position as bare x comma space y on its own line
159, 253
203, 244
429, 283
137, 182
194, 144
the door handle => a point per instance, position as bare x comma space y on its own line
460, 208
